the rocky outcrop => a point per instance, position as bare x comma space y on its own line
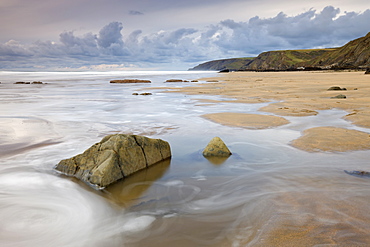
130, 81
175, 80
27, 82
113, 158
216, 147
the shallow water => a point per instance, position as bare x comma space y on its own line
266, 194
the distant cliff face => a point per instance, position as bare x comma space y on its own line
355, 54
285, 60
231, 64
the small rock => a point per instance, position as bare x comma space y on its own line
367, 72
224, 71
146, 94
130, 81
37, 82
216, 147
340, 96
212, 81
194, 81
336, 88
135, 94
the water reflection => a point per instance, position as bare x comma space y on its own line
127, 191
216, 160
270, 194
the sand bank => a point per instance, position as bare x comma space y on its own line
332, 139
294, 94
249, 121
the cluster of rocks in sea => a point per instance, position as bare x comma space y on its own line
27, 82
117, 156
147, 81
141, 93
179, 80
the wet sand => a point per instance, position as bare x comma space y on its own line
295, 94
267, 193
249, 121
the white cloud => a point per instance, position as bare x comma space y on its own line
185, 47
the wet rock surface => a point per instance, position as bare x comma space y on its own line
336, 88
216, 148
358, 173
113, 158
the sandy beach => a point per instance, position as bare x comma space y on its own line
295, 94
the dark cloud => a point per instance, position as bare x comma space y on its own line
135, 12
185, 47
111, 35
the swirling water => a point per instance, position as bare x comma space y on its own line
266, 194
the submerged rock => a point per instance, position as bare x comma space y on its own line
113, 158
216, 147
130, 81
358, 173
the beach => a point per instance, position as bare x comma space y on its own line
295, 94
288, 182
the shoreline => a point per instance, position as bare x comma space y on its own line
298, 94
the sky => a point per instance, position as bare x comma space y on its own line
80, 35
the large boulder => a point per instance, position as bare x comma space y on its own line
113, 158
216, 148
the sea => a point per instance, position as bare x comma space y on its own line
267, 193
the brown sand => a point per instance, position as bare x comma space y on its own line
332, 139
249, 121
297, 94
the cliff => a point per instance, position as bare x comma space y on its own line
353, 55
230, 64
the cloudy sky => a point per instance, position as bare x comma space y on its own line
167, 34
